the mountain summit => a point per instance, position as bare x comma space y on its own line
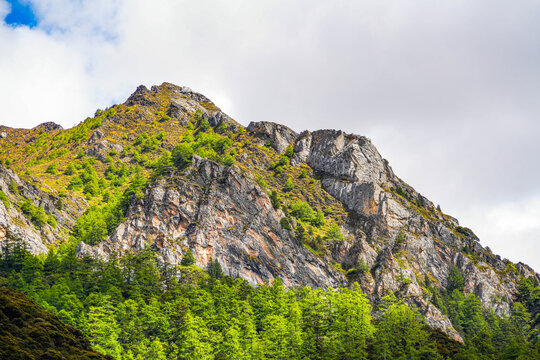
169, 171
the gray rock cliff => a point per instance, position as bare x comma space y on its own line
219, 213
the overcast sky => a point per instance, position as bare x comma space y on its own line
448, 91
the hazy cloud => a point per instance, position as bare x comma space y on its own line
448, 91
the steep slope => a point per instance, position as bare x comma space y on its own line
29, 332
219, 213
32, 211
318, 208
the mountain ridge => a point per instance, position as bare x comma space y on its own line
248, 197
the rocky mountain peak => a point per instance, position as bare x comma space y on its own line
185, 91
174, 172
140, 97
48, 126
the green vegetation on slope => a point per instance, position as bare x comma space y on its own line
486, 335
130, 308
28, 332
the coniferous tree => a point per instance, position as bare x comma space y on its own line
214, 269
401, 333
455, 280
101, 326
193, 342
188, 258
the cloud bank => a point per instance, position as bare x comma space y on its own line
447, 91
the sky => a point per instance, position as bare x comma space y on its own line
448, 91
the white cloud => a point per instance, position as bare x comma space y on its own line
448, 92
42, 80
5, 8
89, 19
512, 228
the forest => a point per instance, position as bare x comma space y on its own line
133, 308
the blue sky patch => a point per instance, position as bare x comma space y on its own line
21, 14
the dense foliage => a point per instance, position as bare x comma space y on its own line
488, 336
28, 332
130, 308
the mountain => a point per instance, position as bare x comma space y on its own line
169, 171
29, 332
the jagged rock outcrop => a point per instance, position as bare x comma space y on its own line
141, 97
525, 270
99, 148
15, 224
276, 135
353, 171
219, 213
48, 126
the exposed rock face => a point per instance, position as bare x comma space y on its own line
279, 136
353, 171
346, 157
14, 224
222, 214
525, 270
48, 126
100, 148
141, 96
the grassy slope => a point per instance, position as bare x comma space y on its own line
29, 332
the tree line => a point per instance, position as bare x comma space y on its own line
130, 308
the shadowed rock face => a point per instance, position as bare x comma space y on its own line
48, 126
